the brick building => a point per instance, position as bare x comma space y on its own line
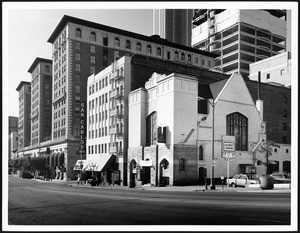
41, 100
24, 121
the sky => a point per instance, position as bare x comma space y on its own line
30, 29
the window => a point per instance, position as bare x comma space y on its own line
92, 70
151, 129
237, 125
77, 56
284, 114
78, 33
93, 36
176, 55
78, 45
77, 88
275, 150
181, 164
209, 63
117, 42
284, 126
182, 56
168, 55
93, 49
284, 139
138, 47
268, 75
202, 106
128, 44
47, 69
105, 40
196, 60
93, 60
77, 78
77, 67
189, 58
201, 157
158, 51
281, 72
202, 62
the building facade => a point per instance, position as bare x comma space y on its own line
13, 145
175, 25
172, 122
239, 37
41, 100
24, 121
274, 70
82, 48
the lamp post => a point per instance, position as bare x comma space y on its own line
212, 184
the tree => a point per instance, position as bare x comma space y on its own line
266, 148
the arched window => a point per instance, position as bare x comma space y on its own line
78, 33
149, 50
105, 40
158, 51
93, 36
237, 125
128, 44
201, 157
138, 47
151, 129
117, 42
47, 69
181, 164
176, 55
190, 58
182, 56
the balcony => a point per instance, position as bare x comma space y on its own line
113, 93
113, 112
113, 130
117, 76
119, 131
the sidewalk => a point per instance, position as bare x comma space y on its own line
278, 188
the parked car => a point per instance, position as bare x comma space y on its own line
27, 175
243, 180
280, 178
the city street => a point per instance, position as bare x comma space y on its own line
33, 202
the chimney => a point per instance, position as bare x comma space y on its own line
259, 102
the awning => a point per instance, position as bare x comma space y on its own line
61, 159
272, 162
101, 164
146, 163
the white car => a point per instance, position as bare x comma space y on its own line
242, 180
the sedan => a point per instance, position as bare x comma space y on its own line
280, 178
242, 180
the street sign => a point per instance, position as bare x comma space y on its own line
228, 146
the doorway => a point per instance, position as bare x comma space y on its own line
202, 175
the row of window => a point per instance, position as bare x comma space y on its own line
101, 84
128, 45
59, 113
102, 132
94, 103
104, 117
59, 133
58, 124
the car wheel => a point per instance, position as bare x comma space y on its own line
233, 185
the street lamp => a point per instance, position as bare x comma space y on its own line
212, 184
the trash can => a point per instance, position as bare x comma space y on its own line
266, 182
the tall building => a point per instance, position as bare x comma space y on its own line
274, 70
12, 124
239, 37
24, 123
81, 48
13, 144
175, 25
41, 100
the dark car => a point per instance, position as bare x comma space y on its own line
27, 175
281, 178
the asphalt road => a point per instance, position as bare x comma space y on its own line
34, 202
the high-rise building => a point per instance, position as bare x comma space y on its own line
239, 37
41, 100
13, 134
175, 25
24, 123
82, 48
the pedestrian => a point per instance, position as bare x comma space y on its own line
78, 180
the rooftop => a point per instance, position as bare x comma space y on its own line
22, 83
154, 38
37, 61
